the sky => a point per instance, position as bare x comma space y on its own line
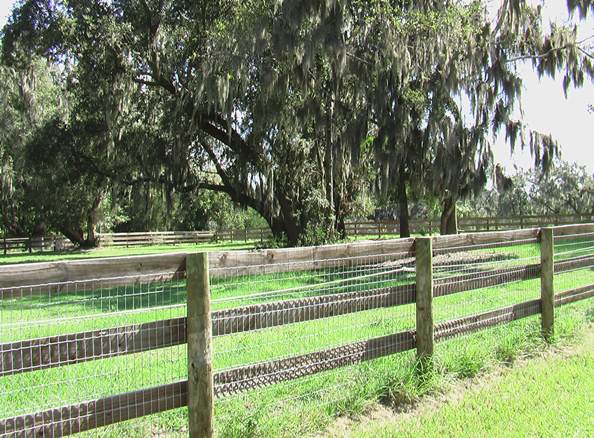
544, 106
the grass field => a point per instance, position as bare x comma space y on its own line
549, 395
302, 406
119, 251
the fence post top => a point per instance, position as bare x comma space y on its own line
424, 239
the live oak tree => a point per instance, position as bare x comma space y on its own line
478, 66
28, 99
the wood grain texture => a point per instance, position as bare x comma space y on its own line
54, 351
200, 381
443, 244
565, 230
424, 302
88, 415
547, 290
259, 316
573, 295
477, 280
137, 269
116, 271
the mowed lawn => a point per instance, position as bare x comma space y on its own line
121, 251
547, 396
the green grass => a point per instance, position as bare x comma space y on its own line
297, 407
547, 396
119, 251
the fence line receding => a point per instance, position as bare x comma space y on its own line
285, 327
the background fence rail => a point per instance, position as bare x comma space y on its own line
353, 228
76, 333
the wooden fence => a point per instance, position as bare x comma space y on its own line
465, 224
204, 385
35, 244
353, 229
59, 243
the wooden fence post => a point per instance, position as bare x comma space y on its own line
547, 290
424, 300
199, 335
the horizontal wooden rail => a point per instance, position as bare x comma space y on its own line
258, 375
92, 414
140, 269
55, 351
573, 295
483, 279
473, 323
260, 316
574, 263
135, 269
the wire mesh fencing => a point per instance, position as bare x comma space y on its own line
295, 333
479, 287
574, 266
305, 327
470, 280
69, 351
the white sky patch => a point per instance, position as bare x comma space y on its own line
545, 108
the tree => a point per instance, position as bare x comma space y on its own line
454, 146
564, 189
28, 99
567, 189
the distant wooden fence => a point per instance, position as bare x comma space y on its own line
59, 243
35, 244
353, 228
465, 224
205, 385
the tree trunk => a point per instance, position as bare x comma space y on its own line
341, 227
449, 218
75, 236
403, 204
283, 227
91, 240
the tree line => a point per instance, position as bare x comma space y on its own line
165, 112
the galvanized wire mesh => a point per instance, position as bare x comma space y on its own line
470, 280
289, 338
573, 261
66, 343
306, 330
